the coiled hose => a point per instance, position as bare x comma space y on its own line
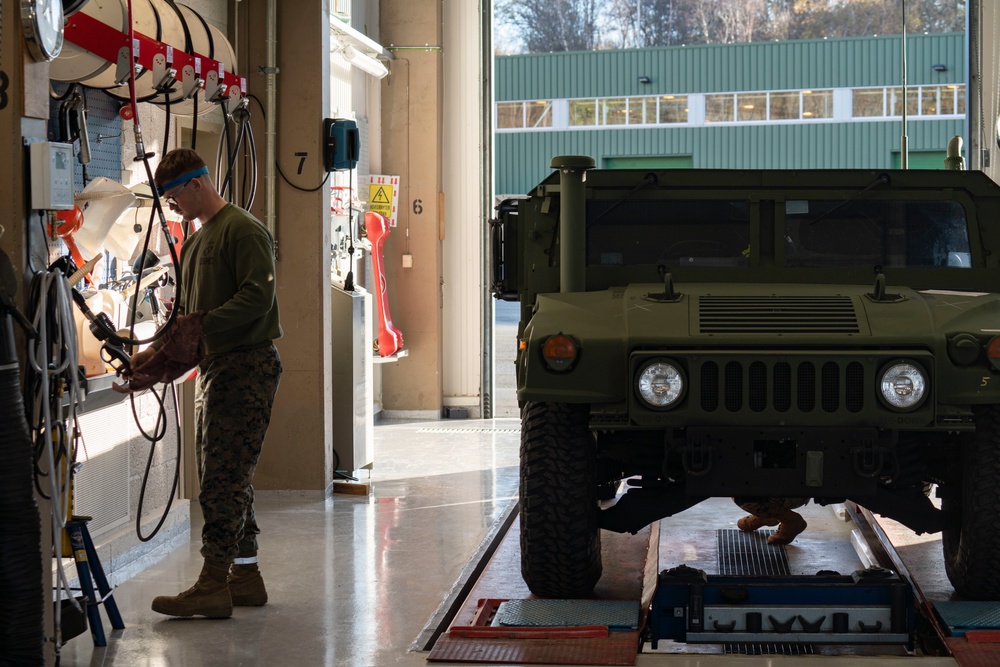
22, 614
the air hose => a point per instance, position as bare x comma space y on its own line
22, 613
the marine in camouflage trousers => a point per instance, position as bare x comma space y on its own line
234, 393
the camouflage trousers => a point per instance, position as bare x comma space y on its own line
233, 397
769, 508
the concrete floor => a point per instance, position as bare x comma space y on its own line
353, 580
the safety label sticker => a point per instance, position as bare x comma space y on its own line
383, 196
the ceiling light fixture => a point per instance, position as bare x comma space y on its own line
364, 62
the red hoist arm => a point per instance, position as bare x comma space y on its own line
192, 69
389, 338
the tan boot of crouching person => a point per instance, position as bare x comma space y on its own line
773, 512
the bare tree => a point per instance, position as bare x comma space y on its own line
552, 25
719, 21
644, 23
569, 25
935, 15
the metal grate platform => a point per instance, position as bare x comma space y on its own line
749, 553
962, 616
615, 614
617, 649
769, 649
742, 553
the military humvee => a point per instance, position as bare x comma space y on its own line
830, 334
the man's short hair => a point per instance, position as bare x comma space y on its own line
176, 163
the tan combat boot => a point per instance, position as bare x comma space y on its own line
791, 525
752, 522
246, 586
208, 597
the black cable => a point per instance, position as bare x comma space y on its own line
155, 214
83, 168
194, 123
349, 279
232, 154
300, 189
45, 235
253, 163
166, 125
224, 180
278, 166
59, 97
159, 434
336, 464
245, 179
259, 103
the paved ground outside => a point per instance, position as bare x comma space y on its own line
505, 399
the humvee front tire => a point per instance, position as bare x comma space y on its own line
560, 539
971, 540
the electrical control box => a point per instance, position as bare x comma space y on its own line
51, 175
341, 144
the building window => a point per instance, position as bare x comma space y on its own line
947, 100
582, 112
510, 115
764, 106
942, 100
754, 107
868, 102
646, 110
641, 110
613, 111
538, 113
751, 106
719, 108
785, 105
817, 104
895, 99
516, 115
673, 109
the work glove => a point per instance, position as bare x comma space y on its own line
183, 348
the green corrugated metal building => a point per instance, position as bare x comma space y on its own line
771, 105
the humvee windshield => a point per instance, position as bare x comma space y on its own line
817, 233
894, 234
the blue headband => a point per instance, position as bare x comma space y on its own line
180, 180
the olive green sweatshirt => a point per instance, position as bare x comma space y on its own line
227, 270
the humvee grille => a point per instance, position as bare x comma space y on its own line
782, 386
777, 315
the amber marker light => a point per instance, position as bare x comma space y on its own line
560, 352
993, 352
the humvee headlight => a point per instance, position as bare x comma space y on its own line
560, 352
903, 386
660, 384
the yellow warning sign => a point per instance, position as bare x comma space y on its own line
380, 199
383, 196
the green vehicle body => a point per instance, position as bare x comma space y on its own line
780, 298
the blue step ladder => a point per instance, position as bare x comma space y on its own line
89, 571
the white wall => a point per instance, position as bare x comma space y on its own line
462, 167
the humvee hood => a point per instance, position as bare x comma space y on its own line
716, 313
